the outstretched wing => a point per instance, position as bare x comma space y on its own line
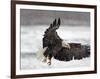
76, 52
53, 26
59, 22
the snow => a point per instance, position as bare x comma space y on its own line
31, 36
32, 52
30, 61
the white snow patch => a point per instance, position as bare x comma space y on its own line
32, 62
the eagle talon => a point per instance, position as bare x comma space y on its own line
49, 63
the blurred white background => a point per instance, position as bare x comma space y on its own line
5, 21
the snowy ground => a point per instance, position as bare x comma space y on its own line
30, 61
31, 42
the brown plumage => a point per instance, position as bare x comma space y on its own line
53, 42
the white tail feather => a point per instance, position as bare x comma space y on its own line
40, 52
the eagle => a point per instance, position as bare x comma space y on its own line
56, 47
